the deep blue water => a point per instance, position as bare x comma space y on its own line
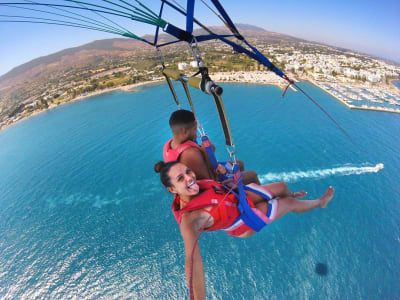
83, 215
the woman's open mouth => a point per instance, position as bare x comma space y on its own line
193, 186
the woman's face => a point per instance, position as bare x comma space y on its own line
183, 181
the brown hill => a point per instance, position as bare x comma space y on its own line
27, 81
104, 50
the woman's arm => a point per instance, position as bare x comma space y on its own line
193, 261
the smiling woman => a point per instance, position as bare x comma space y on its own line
84, 215
206, 205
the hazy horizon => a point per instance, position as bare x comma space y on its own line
367, 27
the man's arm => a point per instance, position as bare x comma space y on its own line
193, 262
194, 160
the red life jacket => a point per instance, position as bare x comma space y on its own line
224, 207
173, 154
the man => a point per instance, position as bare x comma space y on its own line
182, 147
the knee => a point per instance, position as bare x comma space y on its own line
253, 175
250, 177
241, 164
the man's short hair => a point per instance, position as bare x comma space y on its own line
181, 118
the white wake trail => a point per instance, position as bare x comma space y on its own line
298, 175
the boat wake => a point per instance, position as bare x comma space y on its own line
318, 174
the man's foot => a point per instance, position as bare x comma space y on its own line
327, 197
299, 194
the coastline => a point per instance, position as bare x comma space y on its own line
330, 93
251, 77
129, 88
126, 88
379, 109
397, 87
240, 77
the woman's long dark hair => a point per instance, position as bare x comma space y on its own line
163, 168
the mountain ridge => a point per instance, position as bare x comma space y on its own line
130, 44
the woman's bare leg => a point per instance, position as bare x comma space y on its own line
288, 204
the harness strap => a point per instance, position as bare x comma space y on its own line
259, 190
249, 217
228, 22
205, 142
223, 119
190, 15
172, 90
158, 27
180, 34
185, 87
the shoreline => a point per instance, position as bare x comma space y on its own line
126, 88
278, 82
395, 86
379, 109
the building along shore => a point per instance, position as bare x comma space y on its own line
126, 88
255, 77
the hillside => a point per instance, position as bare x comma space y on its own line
119, 47
103, 64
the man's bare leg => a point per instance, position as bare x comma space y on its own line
250, 177
281, 189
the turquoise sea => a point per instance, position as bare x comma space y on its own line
83, 215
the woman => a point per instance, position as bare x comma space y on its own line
206, 205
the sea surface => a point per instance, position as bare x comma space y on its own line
396, 83
84, 216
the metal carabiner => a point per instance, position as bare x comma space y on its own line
232, 153
196, 52
200, 129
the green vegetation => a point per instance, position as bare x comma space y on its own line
61, 81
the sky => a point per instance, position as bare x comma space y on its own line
369, 26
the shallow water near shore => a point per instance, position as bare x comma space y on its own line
82, 214
396, 83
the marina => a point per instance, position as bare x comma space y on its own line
363, 98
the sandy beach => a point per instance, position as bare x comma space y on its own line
126, 88
257, 78
248, 78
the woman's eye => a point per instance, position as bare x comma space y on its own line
188, 171
180, 178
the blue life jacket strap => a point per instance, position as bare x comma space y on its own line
210, 152
248, 216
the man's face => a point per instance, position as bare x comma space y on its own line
192, 131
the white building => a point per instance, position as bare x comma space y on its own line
182, 66
194, 64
